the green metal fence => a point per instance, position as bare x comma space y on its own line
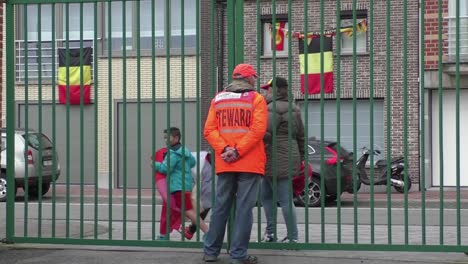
157, 64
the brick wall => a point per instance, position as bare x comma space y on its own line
396, 99
431, 33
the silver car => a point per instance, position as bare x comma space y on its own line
29, 155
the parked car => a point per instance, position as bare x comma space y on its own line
330, 157
29, 155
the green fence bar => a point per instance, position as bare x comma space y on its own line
26, 123
138, 47
198, 105
10, 109
371, 119
290, 99
54, 128
96, 117
274, 135
39, 68
356, 219
182, 85
457, 116
168, 108
405, 113
388, 100
67, 62
441, 128
109, 105
212, 91
306, 114
124, 113
81, 127
338, 125
153, 118
258, 56
423, 124
322, 122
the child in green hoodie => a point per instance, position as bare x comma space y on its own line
178, 164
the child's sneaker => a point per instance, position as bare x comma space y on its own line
268, 238
188, 235
162, 238
287, 240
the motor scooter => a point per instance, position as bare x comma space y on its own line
397, 171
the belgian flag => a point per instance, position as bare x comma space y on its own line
74, 77
314, 61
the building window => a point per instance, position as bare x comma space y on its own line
27, 31
27, 40
452, 37
281, 44
347, 22
145, 16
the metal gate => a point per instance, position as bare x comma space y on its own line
377, 78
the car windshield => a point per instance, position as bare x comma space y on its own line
33, 140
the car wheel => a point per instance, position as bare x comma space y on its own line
314, 193
3, 187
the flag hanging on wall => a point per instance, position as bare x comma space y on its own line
280, 36
74, 75
313, 65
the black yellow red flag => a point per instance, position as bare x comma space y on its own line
74, 82
314, 62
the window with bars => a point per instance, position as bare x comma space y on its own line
30, 52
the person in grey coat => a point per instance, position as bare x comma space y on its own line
285, 154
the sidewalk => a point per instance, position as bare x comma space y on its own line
363, 199
55, 254
52, 254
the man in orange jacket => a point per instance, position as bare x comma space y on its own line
235, 126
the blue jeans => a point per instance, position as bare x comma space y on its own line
241, 186
283, 199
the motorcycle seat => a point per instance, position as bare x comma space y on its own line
381, 163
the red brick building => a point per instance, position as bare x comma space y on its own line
396, 100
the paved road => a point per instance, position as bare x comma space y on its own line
354, 224
24, 254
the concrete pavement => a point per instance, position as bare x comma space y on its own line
52, 254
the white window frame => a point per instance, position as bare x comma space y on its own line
46, 42
452, 37
160, 32
267, 28
361, 37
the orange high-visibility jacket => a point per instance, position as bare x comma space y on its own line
238, 119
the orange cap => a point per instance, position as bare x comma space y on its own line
243, 70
